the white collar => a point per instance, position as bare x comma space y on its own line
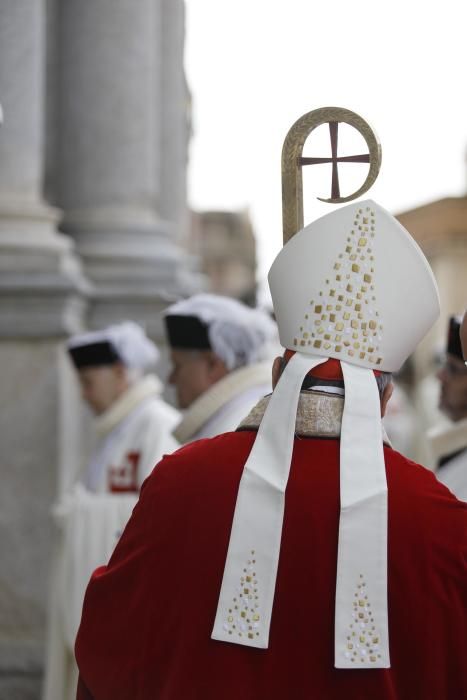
217, 395
150, 385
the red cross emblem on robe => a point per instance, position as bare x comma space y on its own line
123, 479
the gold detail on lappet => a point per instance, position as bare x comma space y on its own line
362, 644
243, 618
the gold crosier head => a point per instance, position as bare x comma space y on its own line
293, 161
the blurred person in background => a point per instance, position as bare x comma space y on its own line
400, 421
218, 351
133, 425
449, 443
132, 421
463, 335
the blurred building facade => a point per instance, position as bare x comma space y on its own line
440, 228
226, 246
93, 220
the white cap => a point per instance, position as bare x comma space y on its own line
125, 342
238, 334
354, 286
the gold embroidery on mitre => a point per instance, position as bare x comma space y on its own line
353, 286
243, 618
362, 644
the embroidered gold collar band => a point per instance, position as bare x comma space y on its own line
319, 415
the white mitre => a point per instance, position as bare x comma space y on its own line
354, 286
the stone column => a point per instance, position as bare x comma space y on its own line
109, 175
41, 300
175, 120
39, 276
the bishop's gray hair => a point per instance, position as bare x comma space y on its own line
382, 381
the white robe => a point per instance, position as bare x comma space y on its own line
134, 435
225, 404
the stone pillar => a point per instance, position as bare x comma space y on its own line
109, 174
41, 300
39, 277
175, 120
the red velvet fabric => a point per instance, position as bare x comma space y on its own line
331, 369
148, 615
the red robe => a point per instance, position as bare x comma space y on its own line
148, 615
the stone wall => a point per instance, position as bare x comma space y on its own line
92, 206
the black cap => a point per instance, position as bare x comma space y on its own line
454, 341
187, 332
94, 354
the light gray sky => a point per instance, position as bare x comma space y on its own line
255, 66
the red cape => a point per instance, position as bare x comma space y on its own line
148, 615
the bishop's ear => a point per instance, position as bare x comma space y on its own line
276, 371
387, 393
